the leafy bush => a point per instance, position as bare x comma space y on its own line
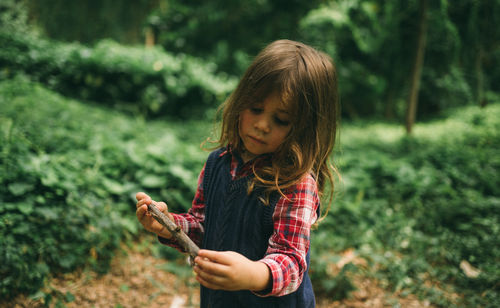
415, 207
419, 207
148, 81
68, 175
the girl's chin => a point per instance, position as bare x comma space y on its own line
249, 154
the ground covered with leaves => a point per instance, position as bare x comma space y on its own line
139, 279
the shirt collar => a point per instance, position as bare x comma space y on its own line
259, 161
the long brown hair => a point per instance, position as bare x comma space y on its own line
306, 80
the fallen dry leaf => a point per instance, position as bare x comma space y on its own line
469, 270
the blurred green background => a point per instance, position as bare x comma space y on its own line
101, 99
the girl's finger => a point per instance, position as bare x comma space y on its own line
207, 284
210, 267
162, 206
141, 195
215, 256
142, 202
141, 211
210, 281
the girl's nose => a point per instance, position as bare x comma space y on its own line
262, 124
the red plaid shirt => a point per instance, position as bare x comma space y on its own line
292, 218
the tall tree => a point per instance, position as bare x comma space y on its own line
481, 44
226, 31
416, 74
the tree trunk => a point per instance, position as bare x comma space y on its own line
150, 37
416, 74
480, 77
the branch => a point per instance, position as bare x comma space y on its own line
184, 241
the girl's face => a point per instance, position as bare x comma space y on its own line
264, 126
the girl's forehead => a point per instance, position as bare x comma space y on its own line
285, 100
278, 102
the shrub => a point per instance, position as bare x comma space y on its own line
417, 207
146, 81
414, 207
68, 175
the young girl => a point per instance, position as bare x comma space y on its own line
258, 195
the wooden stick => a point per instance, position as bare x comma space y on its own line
186, 243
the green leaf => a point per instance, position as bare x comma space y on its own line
153, 181
69, 297
50, 178
113, 186
124, 288
184, 174
130, 225
37, 295
48, 213
25, 208
18, 189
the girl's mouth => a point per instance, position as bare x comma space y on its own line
257, 140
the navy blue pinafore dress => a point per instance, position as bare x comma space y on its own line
237, 221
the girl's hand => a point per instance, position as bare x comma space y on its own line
145, 217
231, 271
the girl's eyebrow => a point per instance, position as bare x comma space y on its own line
283, 111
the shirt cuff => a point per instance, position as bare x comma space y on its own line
276, 278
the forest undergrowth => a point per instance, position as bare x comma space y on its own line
417, 216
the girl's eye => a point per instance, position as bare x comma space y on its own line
256, 110
281, 122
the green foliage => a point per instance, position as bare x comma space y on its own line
335, 284
14, 17
414, 207
145, 81
364, 38
374, 42
417, 207
91, 20
226, 31
68, 177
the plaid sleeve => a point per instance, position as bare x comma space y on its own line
192, 221
289, 243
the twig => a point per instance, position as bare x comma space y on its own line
186, 243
